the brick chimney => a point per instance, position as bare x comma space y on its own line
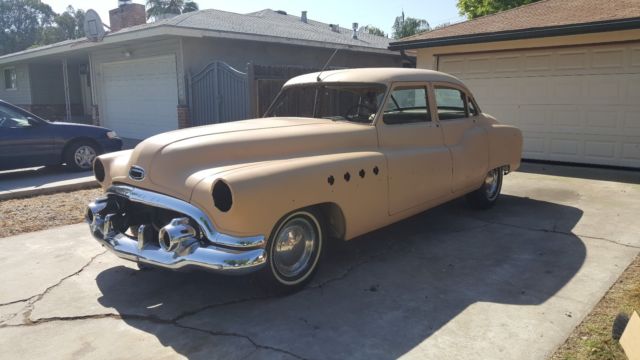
126, 15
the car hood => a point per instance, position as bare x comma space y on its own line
176, 161
86, 127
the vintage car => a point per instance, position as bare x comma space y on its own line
338, 154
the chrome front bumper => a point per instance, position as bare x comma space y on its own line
181, 247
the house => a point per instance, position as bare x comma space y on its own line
567, 72
137, 79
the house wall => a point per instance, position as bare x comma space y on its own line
136, 50
198, 53
427, 57
21, 95
47, 84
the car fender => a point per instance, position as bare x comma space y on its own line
354, 182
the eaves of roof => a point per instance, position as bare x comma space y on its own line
170, 30
530, 33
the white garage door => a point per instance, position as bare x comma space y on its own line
140, 96
574, 104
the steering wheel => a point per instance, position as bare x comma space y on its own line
357, 107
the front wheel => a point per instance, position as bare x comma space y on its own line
79, 156
294, 249
487, 195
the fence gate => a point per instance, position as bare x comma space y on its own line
219, 93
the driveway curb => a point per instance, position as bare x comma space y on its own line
76, 185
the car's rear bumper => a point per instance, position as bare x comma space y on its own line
180, 243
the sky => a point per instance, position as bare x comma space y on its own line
380, 13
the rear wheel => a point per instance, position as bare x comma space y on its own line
487, 195
79, 156
294, 249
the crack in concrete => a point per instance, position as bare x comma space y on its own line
154, 320
554, 231
17, 301
31, 301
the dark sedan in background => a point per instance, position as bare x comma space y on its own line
27, 140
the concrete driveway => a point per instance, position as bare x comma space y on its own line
48, 179
451, 283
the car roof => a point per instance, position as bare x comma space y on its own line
375, 75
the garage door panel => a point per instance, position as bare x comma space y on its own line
140, 96
579, 104
631, 150
572, 60
608, 59
635, 57
600, 150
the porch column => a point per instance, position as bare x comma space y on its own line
67, 99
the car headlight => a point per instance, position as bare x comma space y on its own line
112, 135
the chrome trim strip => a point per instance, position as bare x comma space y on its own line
212, 258
170, 203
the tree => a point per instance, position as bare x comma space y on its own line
70, 23
68, 26
370, 29
160, 9
404, 27
475, 8
22, 24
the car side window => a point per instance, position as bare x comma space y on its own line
451, 103
407, 105
10, 118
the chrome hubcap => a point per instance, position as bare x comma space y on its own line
491, 183
84, 156
294, 247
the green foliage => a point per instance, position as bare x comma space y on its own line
69, 25
404, 27
159, 9
22, 24
370, 29
475, 8
29, 23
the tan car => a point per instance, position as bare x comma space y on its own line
338, 154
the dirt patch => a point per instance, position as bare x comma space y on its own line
19, 216
592, 339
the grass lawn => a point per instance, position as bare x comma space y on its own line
592, 339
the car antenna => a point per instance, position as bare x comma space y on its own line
327, 64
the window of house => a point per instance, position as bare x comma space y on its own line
407, 105
10, 79
451, 103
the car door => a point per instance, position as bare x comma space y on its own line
24, 141
466, 139
418, 162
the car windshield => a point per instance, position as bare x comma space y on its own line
340, 102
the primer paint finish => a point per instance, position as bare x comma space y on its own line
375, 174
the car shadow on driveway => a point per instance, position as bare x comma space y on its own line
378, 296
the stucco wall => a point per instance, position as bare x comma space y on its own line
198, 53
21, 95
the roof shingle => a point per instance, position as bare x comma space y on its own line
541, 14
